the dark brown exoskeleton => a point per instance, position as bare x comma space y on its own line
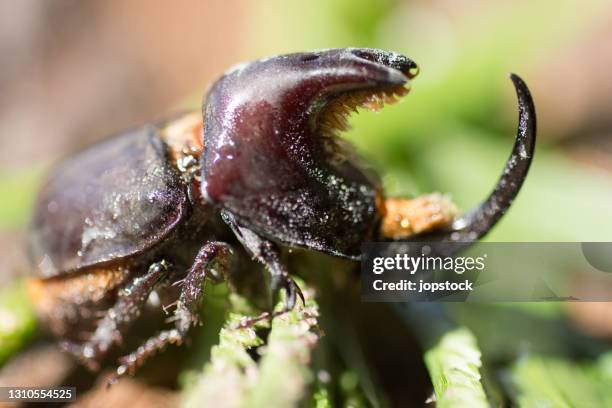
169, 204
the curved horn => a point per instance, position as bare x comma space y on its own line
477, 222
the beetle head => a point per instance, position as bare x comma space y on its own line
271, 157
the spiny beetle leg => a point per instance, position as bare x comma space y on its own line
128, 307
267, 253
216, 255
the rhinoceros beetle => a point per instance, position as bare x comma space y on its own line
168, 204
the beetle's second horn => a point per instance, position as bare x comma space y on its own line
477, 222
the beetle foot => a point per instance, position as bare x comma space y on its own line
248, 322
131, 362
292, 292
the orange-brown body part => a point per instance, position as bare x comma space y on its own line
184, 137
404, 218
70, 301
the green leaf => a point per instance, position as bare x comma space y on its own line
453, 364
17, 320
541, 381
284, 371
280, 378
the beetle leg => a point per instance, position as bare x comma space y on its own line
477, 222
128, 307
213, 257
267, 253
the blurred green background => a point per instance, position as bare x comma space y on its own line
74, 72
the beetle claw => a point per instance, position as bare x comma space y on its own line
292, 292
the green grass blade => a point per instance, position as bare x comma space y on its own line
541, 381
454, 366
